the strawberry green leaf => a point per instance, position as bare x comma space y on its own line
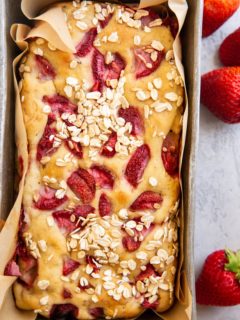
233, 264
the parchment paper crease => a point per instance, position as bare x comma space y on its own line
51, 26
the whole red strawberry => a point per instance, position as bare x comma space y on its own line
220, 93
216, 12
219, 281
229, 52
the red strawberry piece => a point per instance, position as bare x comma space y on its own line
146, 201
220, 93
12, 269
143, 58
150, 17
150, 271
66, 294
60, 104
229, 48
133, 116
216, 12
103, 177
46, 70
29, 269
108, 149
147, 305
83, 210
45, 145
86, 44
75, 148
96, 312
91, 261
170, 153
83, 185
98, 86
218, 283
104, 23
69, 265
48, 201
137, 165
103, 71
65, 311
133, 243
104, 206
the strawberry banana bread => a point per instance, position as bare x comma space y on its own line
99, 227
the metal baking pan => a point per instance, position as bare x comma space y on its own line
10, 12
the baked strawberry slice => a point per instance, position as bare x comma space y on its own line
132, 243
69, 265
59, 104
146, 201
47, 199
103, 177
12, 269
104, 206
150, 271
64, 219
46, 70
91, 261
82, 183
104, 23
148, 305
102, 71
65, 311
152, 15
75, 148
133, 116
170, 153
96, 312
86, 44
137, 165
108, 149
45, 145
29, 269
144, 65
66, 294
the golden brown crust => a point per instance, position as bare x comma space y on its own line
114, 287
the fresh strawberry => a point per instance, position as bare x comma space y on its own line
230, 48
45, 145
66, 294
96, 312
133, 243
75, 148
90, 260
220, 93
82, 184
86, 44
104, 206
103, 177
146, 201
133, 116
69, 265
65, 311
102, 71
137, 165
46, 70
59, 104
219, 281
170, 153
144, 65
216, 12
108, 149
150, 271
47, 199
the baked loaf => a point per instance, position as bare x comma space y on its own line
98, 234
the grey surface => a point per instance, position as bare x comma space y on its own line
191, 35
218, 179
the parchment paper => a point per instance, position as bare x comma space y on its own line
51, 26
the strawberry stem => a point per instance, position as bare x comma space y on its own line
233, 264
